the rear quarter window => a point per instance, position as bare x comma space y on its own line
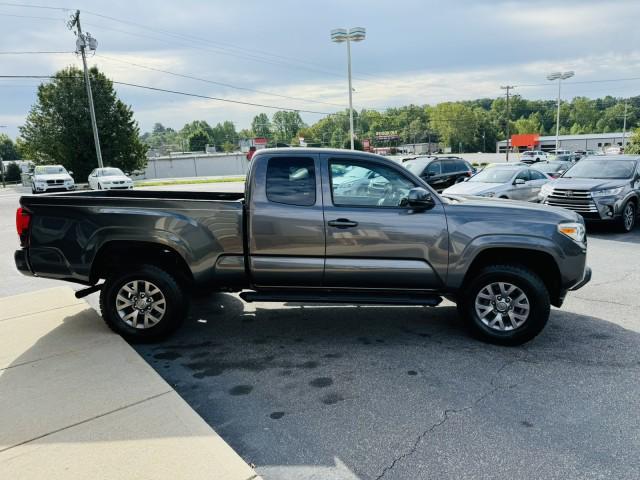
291, 180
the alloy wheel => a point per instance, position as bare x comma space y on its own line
140, 304
628, 216
502, 306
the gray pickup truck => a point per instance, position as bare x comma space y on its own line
313, 226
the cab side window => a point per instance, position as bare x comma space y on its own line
367, 185
291, 180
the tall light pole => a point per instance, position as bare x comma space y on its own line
84, 41
508, 89
559, 76
355, 34
624, 125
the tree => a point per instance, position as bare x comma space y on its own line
13, 172
357, 144
456, 124
58, 127
633, 145
286, 125
198, 141
261, 125
8, 150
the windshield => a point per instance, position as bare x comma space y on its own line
112, 172
550, 167
609, 169
50, 170
416, 166
494, 175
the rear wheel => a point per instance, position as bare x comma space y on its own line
143, 303
505, 305
628, 218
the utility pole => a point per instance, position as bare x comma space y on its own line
2, 172
508, 89
82, 42
624, 124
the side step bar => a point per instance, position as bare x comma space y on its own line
423, 299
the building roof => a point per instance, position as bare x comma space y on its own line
585, 136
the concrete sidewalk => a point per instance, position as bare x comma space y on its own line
77, 402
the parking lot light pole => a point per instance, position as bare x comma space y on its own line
559, 76
508, 89
355, 34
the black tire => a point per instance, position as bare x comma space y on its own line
99, 186
176, 303
630, 209
523, 278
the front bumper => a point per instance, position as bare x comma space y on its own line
585, 279
52, 188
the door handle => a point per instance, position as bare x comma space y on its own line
342, 223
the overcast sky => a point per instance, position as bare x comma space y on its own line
415, 52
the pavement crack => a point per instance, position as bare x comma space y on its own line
605, 301
446, 414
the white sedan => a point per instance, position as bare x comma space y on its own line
108, 179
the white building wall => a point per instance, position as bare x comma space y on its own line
209, 165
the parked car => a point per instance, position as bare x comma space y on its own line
533, 156
507, 181
554, 169
440, 172
564, 157
109, 178
600, 188
295, 237
48, 178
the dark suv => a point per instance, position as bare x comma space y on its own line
604, 188
440, 172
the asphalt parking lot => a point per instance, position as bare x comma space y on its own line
342, 392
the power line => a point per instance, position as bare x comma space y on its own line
222, 84
177, 92
223, 47
26, 5
33, 53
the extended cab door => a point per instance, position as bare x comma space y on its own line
372, 241
286, 223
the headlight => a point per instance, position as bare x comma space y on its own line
487, 194
574, 231
608, 192
546, 190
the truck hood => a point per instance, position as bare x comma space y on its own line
52, 176
587, 183
513, 207
472, 188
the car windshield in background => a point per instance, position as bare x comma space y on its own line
112, 172
494, 175
551, 167
416, 166
49, 170
602, 169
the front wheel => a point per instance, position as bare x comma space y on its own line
628, 218
143, 303
505, 305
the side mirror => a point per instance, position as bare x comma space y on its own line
70, 172
519, 181
419, 198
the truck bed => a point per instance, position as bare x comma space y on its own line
69, 230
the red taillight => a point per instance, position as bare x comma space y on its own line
23, 218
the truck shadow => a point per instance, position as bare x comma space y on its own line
263, 375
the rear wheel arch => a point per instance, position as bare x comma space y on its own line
118, 255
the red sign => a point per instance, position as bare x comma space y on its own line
259, 141
525, 140
366, 144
